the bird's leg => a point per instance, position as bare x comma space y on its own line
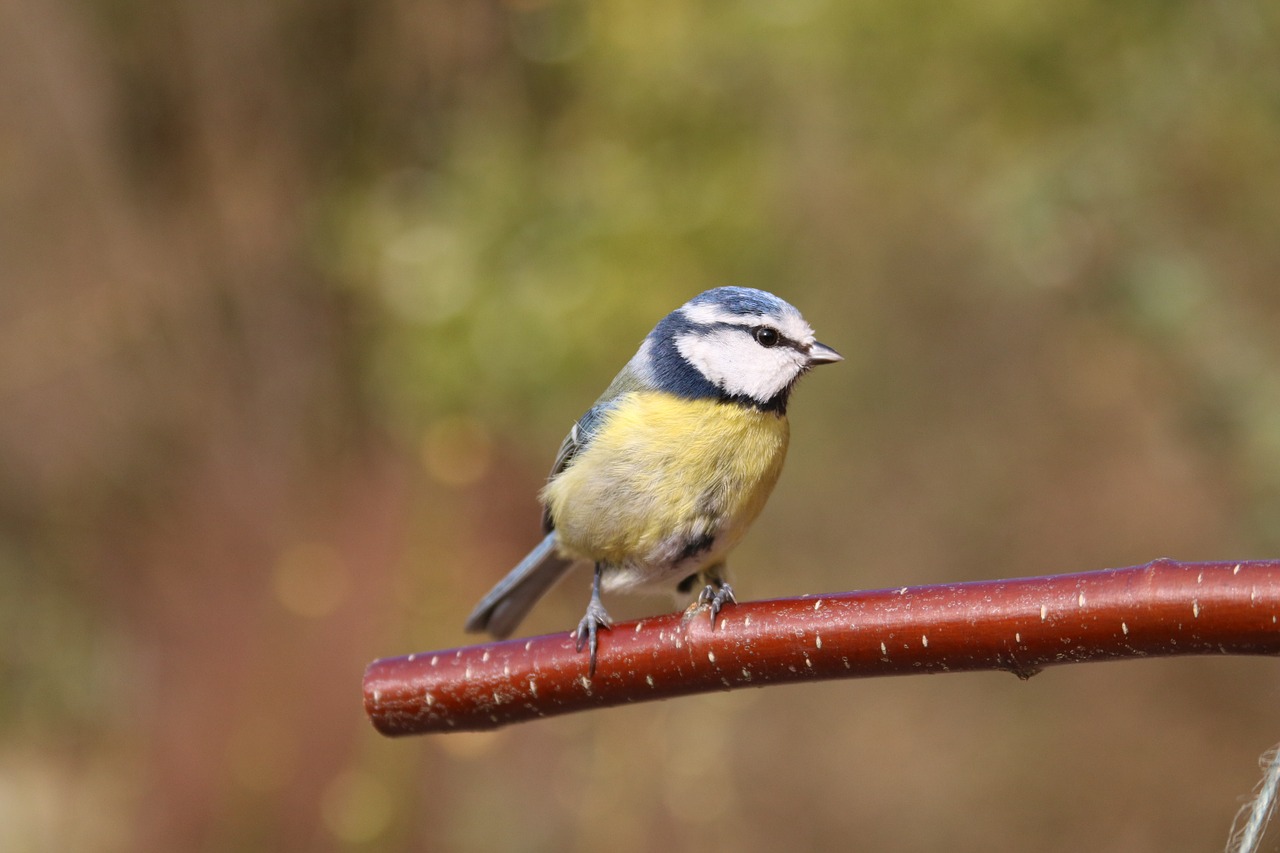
716, 593
594, 618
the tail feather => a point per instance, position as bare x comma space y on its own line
505, 606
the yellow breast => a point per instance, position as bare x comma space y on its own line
661, 471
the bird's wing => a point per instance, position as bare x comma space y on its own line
585, 429
579, 437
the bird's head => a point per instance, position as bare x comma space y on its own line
737, 343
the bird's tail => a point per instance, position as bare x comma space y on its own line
503, 608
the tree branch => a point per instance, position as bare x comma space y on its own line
1163, 608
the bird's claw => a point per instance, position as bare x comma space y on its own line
588, 628
716, 596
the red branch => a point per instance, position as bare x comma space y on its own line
1020, 626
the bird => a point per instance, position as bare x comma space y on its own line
658, 481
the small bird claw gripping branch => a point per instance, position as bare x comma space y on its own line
1159, 609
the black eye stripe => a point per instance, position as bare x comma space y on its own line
751, 329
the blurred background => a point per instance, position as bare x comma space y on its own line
297, 300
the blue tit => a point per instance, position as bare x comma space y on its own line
661, 478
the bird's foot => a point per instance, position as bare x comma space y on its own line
595, 618
716, 596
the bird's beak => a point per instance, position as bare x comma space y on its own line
823, 354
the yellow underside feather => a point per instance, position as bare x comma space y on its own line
662, 471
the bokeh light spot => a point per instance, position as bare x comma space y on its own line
428, 273
356, 806
470, 745
311, 579
457, 451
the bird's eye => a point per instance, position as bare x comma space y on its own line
766, 337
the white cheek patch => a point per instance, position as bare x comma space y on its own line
732, 360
